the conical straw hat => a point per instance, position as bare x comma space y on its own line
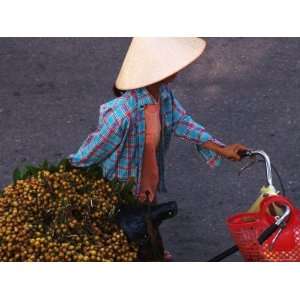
150, 60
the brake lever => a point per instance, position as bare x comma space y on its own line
248, 165
247, 153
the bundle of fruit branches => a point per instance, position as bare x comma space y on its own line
63, 213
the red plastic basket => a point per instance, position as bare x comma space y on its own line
246, 228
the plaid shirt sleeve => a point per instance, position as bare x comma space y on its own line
101, 143
187, 129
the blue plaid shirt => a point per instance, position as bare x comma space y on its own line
118, 141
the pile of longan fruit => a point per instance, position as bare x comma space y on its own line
65, 215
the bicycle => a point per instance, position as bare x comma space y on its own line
270, 229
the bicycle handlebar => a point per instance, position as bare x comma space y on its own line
263, 154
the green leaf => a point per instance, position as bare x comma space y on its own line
17, 175
66, 164
34, 171
94, 170
53, 168
45, 165
28, 171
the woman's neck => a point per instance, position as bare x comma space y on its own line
154, 90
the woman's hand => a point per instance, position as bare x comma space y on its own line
232, 151
147, 197
229, 151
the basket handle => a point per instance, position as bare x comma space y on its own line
276, 199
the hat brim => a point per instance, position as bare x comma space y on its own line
151, 60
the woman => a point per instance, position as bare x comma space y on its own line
135, 128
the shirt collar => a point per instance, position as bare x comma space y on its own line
144, 97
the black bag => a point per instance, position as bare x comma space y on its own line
141, 224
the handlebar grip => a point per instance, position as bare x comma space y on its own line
244, 153
267, 233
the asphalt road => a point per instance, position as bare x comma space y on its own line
244, 90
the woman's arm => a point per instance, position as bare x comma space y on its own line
209, 147
101, 143
231, 151
187, 129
